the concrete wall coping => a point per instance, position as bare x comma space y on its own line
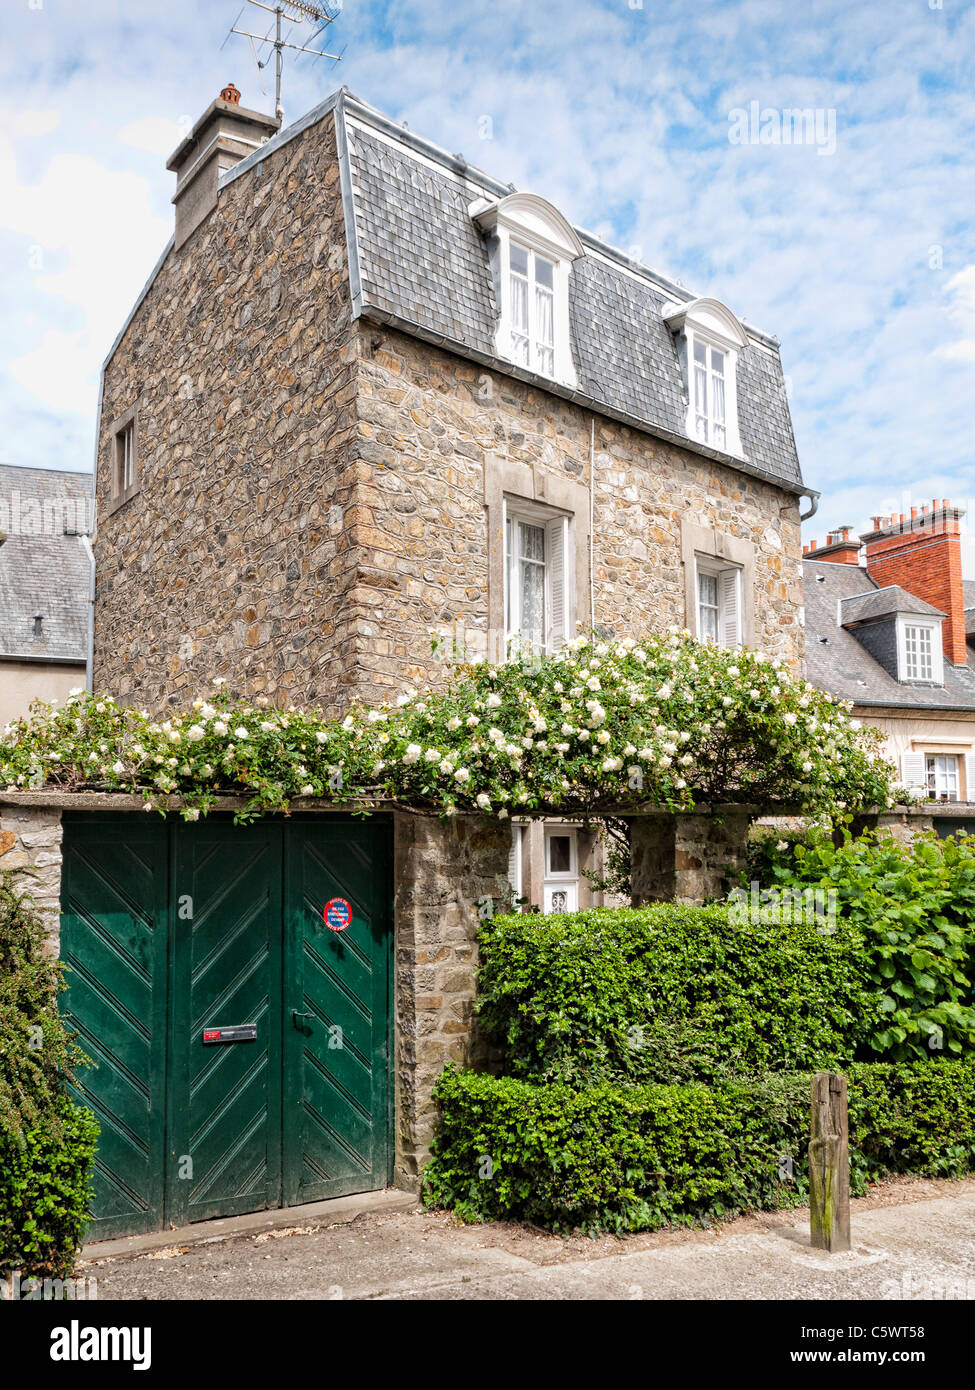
50, 798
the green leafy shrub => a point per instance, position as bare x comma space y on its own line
44, 1190
670, 993
46, 1141
627, 1158
915, 907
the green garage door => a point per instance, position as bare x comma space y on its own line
175, 934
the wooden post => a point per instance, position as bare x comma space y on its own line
829, 1164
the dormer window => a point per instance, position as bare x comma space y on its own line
532, 290
709, 394
919, 650
708, 340
531, 247
918, 653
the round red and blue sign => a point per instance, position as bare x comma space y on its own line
337, 914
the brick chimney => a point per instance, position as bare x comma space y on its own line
841, 548
922, 553
225, 134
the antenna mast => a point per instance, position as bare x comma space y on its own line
298, 12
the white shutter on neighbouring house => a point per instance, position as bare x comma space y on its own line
557, 532
514, 860
913, 773
730, 625
970, 776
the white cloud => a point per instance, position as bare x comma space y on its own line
156, 135
33, 124
961, 310
85, 230
58, 372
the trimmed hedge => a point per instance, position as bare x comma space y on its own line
670, 993
628, 1158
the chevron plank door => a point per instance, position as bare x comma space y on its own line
336, 1110
113, 939
224, 1131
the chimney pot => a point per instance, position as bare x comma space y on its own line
225, 134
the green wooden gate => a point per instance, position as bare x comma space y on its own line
173, 930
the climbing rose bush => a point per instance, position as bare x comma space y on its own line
598, 726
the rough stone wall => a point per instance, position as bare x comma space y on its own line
311, 501
30, 841
427, 421
442, 869
687, 858
234, 557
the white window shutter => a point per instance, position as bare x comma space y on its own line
730, 604
913, 771
514, 860
970, 776
506, 573
558, 581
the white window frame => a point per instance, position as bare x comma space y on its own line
729, 600
538, 227
944, 779
565, 880
713, 325
928, 673
559, 582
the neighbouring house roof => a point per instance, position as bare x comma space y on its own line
883, 603
844, 667
418, 262
968, 598
42, 570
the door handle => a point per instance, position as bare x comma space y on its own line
295, 1015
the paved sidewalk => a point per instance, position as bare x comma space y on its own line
914, 1241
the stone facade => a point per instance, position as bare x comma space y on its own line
30, 842
687, 858
237, 553
442, 870
311, 495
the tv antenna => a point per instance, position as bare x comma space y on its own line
320, 15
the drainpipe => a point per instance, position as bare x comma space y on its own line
90, 650
592, 508
813, 505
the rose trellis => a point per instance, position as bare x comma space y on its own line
599, 727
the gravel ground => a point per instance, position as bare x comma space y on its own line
913, 1240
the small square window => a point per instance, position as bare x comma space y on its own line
942, 776
124, 460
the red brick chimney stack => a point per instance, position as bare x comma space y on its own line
922, 553
840, 548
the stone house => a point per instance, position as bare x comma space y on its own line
45, 572
887, 627
371, 393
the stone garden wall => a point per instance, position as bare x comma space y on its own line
30, 842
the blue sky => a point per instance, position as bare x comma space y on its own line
861, 258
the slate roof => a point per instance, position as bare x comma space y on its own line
417, 261
883, 603
845, 668
424, 264
41, 569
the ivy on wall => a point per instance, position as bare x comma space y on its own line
599, 726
